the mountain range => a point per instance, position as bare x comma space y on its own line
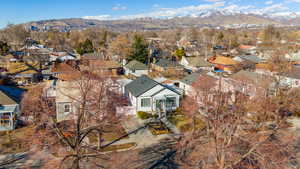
210, 18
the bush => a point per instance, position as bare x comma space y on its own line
143, 115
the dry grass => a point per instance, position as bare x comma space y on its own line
113, 134
16, 140
118, 147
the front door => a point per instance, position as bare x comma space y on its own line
160, 107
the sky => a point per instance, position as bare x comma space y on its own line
21, 11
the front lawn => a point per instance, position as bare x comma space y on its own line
16, 141
185, 124
114, 132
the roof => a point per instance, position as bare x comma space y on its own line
294, 73
251, 58
140, 85
167, 63
136, 65
265, 66
104, 64
250, 77
5, 99
93, 56
190, 79
223, 60
62, 67
198, 62
247, 47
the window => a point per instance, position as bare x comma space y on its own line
67, 108
171, 102
145, 102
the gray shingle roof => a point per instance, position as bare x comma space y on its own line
167, 63
140, 85
190, 79
136, 65
5, 99
198, 62
251, 58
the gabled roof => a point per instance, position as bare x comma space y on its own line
143, 84
136, 65
294, 73
62, 68
249, 77
93, 56
251, 58
198, 62
140, 85
5, 99
167, 63
223, 60
190, 79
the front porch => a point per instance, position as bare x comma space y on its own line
7, 121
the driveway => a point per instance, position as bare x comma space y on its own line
143, 137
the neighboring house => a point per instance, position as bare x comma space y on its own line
248, 49
247, 61
264, 68
148, 95
224, 64
63, 70
66, 93
61, 56
9, 111
294, 57
290, 78
250, 83
195, 63
136, 68
107, 67
163, 65
88, 58
187, 82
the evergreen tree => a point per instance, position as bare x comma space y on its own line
139, 49
4, 48
85, 47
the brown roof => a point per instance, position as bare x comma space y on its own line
223, 60
62, 68
5, 99
104, 64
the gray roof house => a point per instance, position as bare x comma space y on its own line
149, 95
9, 110
166, 65
136, 68
196, 63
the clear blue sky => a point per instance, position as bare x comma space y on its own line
19, 11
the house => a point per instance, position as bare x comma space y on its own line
186, 83
290, 78
247, 61
9, 111
163, 65
148, 95
196, 63
136, 68
250, 83
108, 67
88, 58
224, 64
248, 49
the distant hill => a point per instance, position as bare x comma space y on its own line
208, 19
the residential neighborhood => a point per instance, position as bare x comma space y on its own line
207, 97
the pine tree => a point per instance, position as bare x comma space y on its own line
139, 49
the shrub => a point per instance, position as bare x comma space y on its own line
144, 115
